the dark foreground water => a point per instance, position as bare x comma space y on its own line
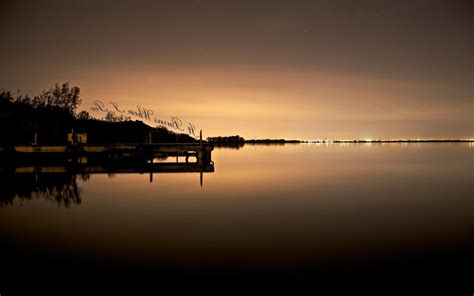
377, 217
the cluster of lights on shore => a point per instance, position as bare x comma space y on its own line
329, 141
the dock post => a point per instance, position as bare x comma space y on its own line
200, 152
201, 178
151, 170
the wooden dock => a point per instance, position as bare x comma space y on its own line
107, 159
202, 151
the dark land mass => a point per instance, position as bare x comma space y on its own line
237, 141
273, 141
51, 115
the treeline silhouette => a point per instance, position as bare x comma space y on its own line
53, 113
271, 141
230, 145
237, 142
226, 139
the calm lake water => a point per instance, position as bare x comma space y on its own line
401, 212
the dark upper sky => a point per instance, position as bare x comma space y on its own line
303, 69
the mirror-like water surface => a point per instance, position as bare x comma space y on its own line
290, 209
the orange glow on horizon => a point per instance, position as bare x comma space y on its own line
267, 103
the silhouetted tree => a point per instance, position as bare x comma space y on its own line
62, 96
111, 117
84, 115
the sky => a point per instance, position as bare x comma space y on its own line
260, 69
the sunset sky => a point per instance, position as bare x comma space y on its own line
264, 69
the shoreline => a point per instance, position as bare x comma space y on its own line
336, 141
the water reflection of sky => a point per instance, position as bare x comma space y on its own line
266, 204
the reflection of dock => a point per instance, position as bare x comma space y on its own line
124, 169
107, 163
146, 168
55, 178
